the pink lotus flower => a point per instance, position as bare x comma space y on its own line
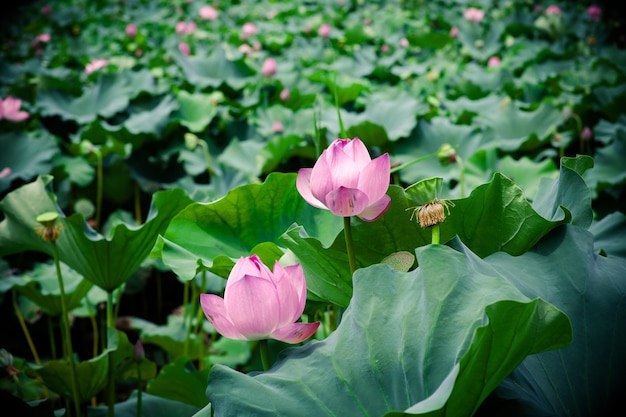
553, 9
494, 61
269, 67
185, 28
346, 181
324, 30
10, 110
46, 10
248, 29
131, 30
260, 304
454, 31
246, 49
285, 94
95, 65
404, 42
184, 49
595, 12
6, 171
41, 38
278, 127
474, 15
586, 134
208, 13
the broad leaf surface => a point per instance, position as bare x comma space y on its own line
439, 338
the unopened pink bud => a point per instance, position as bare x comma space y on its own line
285, 94
324, 30
277, 127
269, 67
131, 30
184, 49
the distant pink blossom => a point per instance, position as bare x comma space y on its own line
257, 46
184, 49
6, 171
138, 52
185, 28
10, 110
46, 10
384, 48
246, 49
324, 30
404, 42
277, 126
41, 38
494, 61
95, 65
271, 14
248, 29
285, 94
586, 134
595, 12
367, 21
538, 8
474, 15
454, 31
208, 13
553, 9
269, 67
131, 30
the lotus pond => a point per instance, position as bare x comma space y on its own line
312, 208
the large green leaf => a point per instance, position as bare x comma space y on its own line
437, 339
585, 379
41, 286
25, 156
110, 94
233, 225
216, 69
105, 261
196, 110
151, 406
180, 381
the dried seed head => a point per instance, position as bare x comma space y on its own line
431, 213
47, 229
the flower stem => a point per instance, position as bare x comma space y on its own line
110, 374
67, 340
415, 161
207, 156
435, 234
29, 339
459, 161
349, 246
265, 354
139, 390
100, 186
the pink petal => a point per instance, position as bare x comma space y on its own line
321, 179
343, 169
251, 265
214, 310
357, 151
253, 307
303, 184
374, 211
295, 333
290, 286
346, 201
375, 177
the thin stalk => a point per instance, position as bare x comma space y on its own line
139, 390
207, 156
459, 161
349, 245
342, 129
100, 186
185, 316
29, 340
435, 234
67, 342
110, 374
53, 347
138, 204
265, 354
96, 333
415, 161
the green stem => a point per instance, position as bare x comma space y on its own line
207, 156
459, 161
415, 161
139, 391
100, 185
186, 316
29, 339
110, 373
349, 245
67, 341
342, 129
53, 346
435, 233
265, 354
137, 204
